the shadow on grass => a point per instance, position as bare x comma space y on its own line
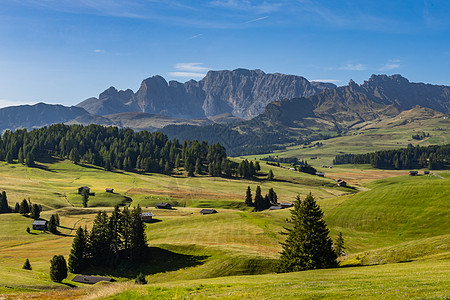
153, 221
155, 260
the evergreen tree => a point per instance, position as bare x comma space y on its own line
339, 245
30, 160
99, 243
58, 268
138, 241
198, 167
259, 200
270, 176
177, 161
24, 208
257, 166
74, 155
20, 158
248, 197
84, 197
56, 218
4, 208
308, 245
78, 253
35, 211
17, 207
273, 198
52, 225
27, 265
114, 230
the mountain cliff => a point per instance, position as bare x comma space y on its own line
241, 93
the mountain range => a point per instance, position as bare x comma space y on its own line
240, 108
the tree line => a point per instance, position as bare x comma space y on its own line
120, 236
432, 157
114, 148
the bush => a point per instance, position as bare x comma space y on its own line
140, 279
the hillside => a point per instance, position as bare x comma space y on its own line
394, 220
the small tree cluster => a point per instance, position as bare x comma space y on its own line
260, 203
247, 169
121, 235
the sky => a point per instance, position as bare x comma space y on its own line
65, 51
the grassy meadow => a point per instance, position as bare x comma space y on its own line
388, 218
386, 134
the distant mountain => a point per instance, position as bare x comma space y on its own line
241, 93
331, 112
41, 114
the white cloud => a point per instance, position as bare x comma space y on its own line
187, 74
195, 36
98, 51
354, 67
191, 67
258, 19
390, 65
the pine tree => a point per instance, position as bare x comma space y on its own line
308, 245
114, 230
248, 197
257, 166
259, 200
52, 225
35, 211
339, 245
24, 208
30, 159
100, 247
20, 158
198, 167
17, 207
58, 268
84, 197
270, 176
78, 253
4, 208
138, 241
74, 155
273, 198
27, 265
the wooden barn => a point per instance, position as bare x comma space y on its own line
162, 205
91, 279
321, 174
147, 217
413, 173
426, 172
286, 205
208, 211
40, 225
108, 190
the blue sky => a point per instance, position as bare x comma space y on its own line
64, 51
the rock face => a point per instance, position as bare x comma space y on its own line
241, 93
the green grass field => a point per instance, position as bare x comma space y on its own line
393, 218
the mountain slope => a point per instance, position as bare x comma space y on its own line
41, 114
